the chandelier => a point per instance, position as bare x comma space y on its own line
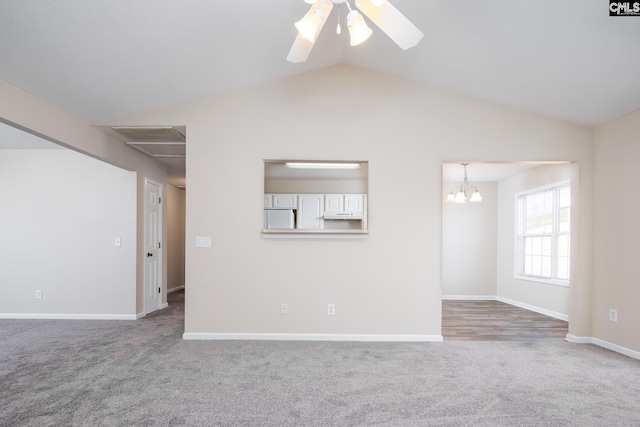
380, 12
463, 190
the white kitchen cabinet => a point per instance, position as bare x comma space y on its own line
338, 203
333, 203
310, 212
354, 203
283, 201
268, 201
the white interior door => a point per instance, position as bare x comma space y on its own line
152, 249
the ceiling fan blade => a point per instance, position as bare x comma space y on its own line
392, 22
300, 50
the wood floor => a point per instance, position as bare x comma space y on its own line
497, 321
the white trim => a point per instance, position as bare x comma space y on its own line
177, 288
554, 282
140, 315
310, 337
64, 316
578, 340
604, 344
164, 305
469, 297
617, 348
325, 235
555, 314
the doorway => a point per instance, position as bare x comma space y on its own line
479, 250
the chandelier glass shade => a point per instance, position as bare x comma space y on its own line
460, 193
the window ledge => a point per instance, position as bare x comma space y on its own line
555, 282
314, 234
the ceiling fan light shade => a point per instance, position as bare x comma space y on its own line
378, 3
358, 29
311, 24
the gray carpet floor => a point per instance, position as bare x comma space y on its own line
141, 373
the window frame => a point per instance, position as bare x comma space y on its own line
520, 236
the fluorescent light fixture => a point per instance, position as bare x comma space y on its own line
316, 165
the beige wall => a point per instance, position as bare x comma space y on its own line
61, 212
552, 298
616, 232
175, 236
25, 111
469, 244
389, 283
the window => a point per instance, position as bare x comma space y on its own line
543, 234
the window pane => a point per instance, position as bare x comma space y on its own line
548, 223
527, 265
536, 265
564, 218
528, 245
563, 246
548, 201
530, 225
546, 266
564, 196
539, 227
546, 246
563, 268
537, 246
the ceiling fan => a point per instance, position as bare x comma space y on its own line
380, 12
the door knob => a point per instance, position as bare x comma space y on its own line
149, 254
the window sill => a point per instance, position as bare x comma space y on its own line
314, 234
555, 282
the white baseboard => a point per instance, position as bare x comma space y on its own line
61, 316
604, 344
164, 305
177, 288
578, 340
140, 315
469, 297
617, 348
535, 309
311, 337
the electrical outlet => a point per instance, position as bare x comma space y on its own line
117, 242
284, 309
331, 309
613, 315
38, 294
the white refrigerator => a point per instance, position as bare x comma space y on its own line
279, 218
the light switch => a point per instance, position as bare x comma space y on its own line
203, 241
117, 241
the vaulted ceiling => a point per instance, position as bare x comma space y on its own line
103, 59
